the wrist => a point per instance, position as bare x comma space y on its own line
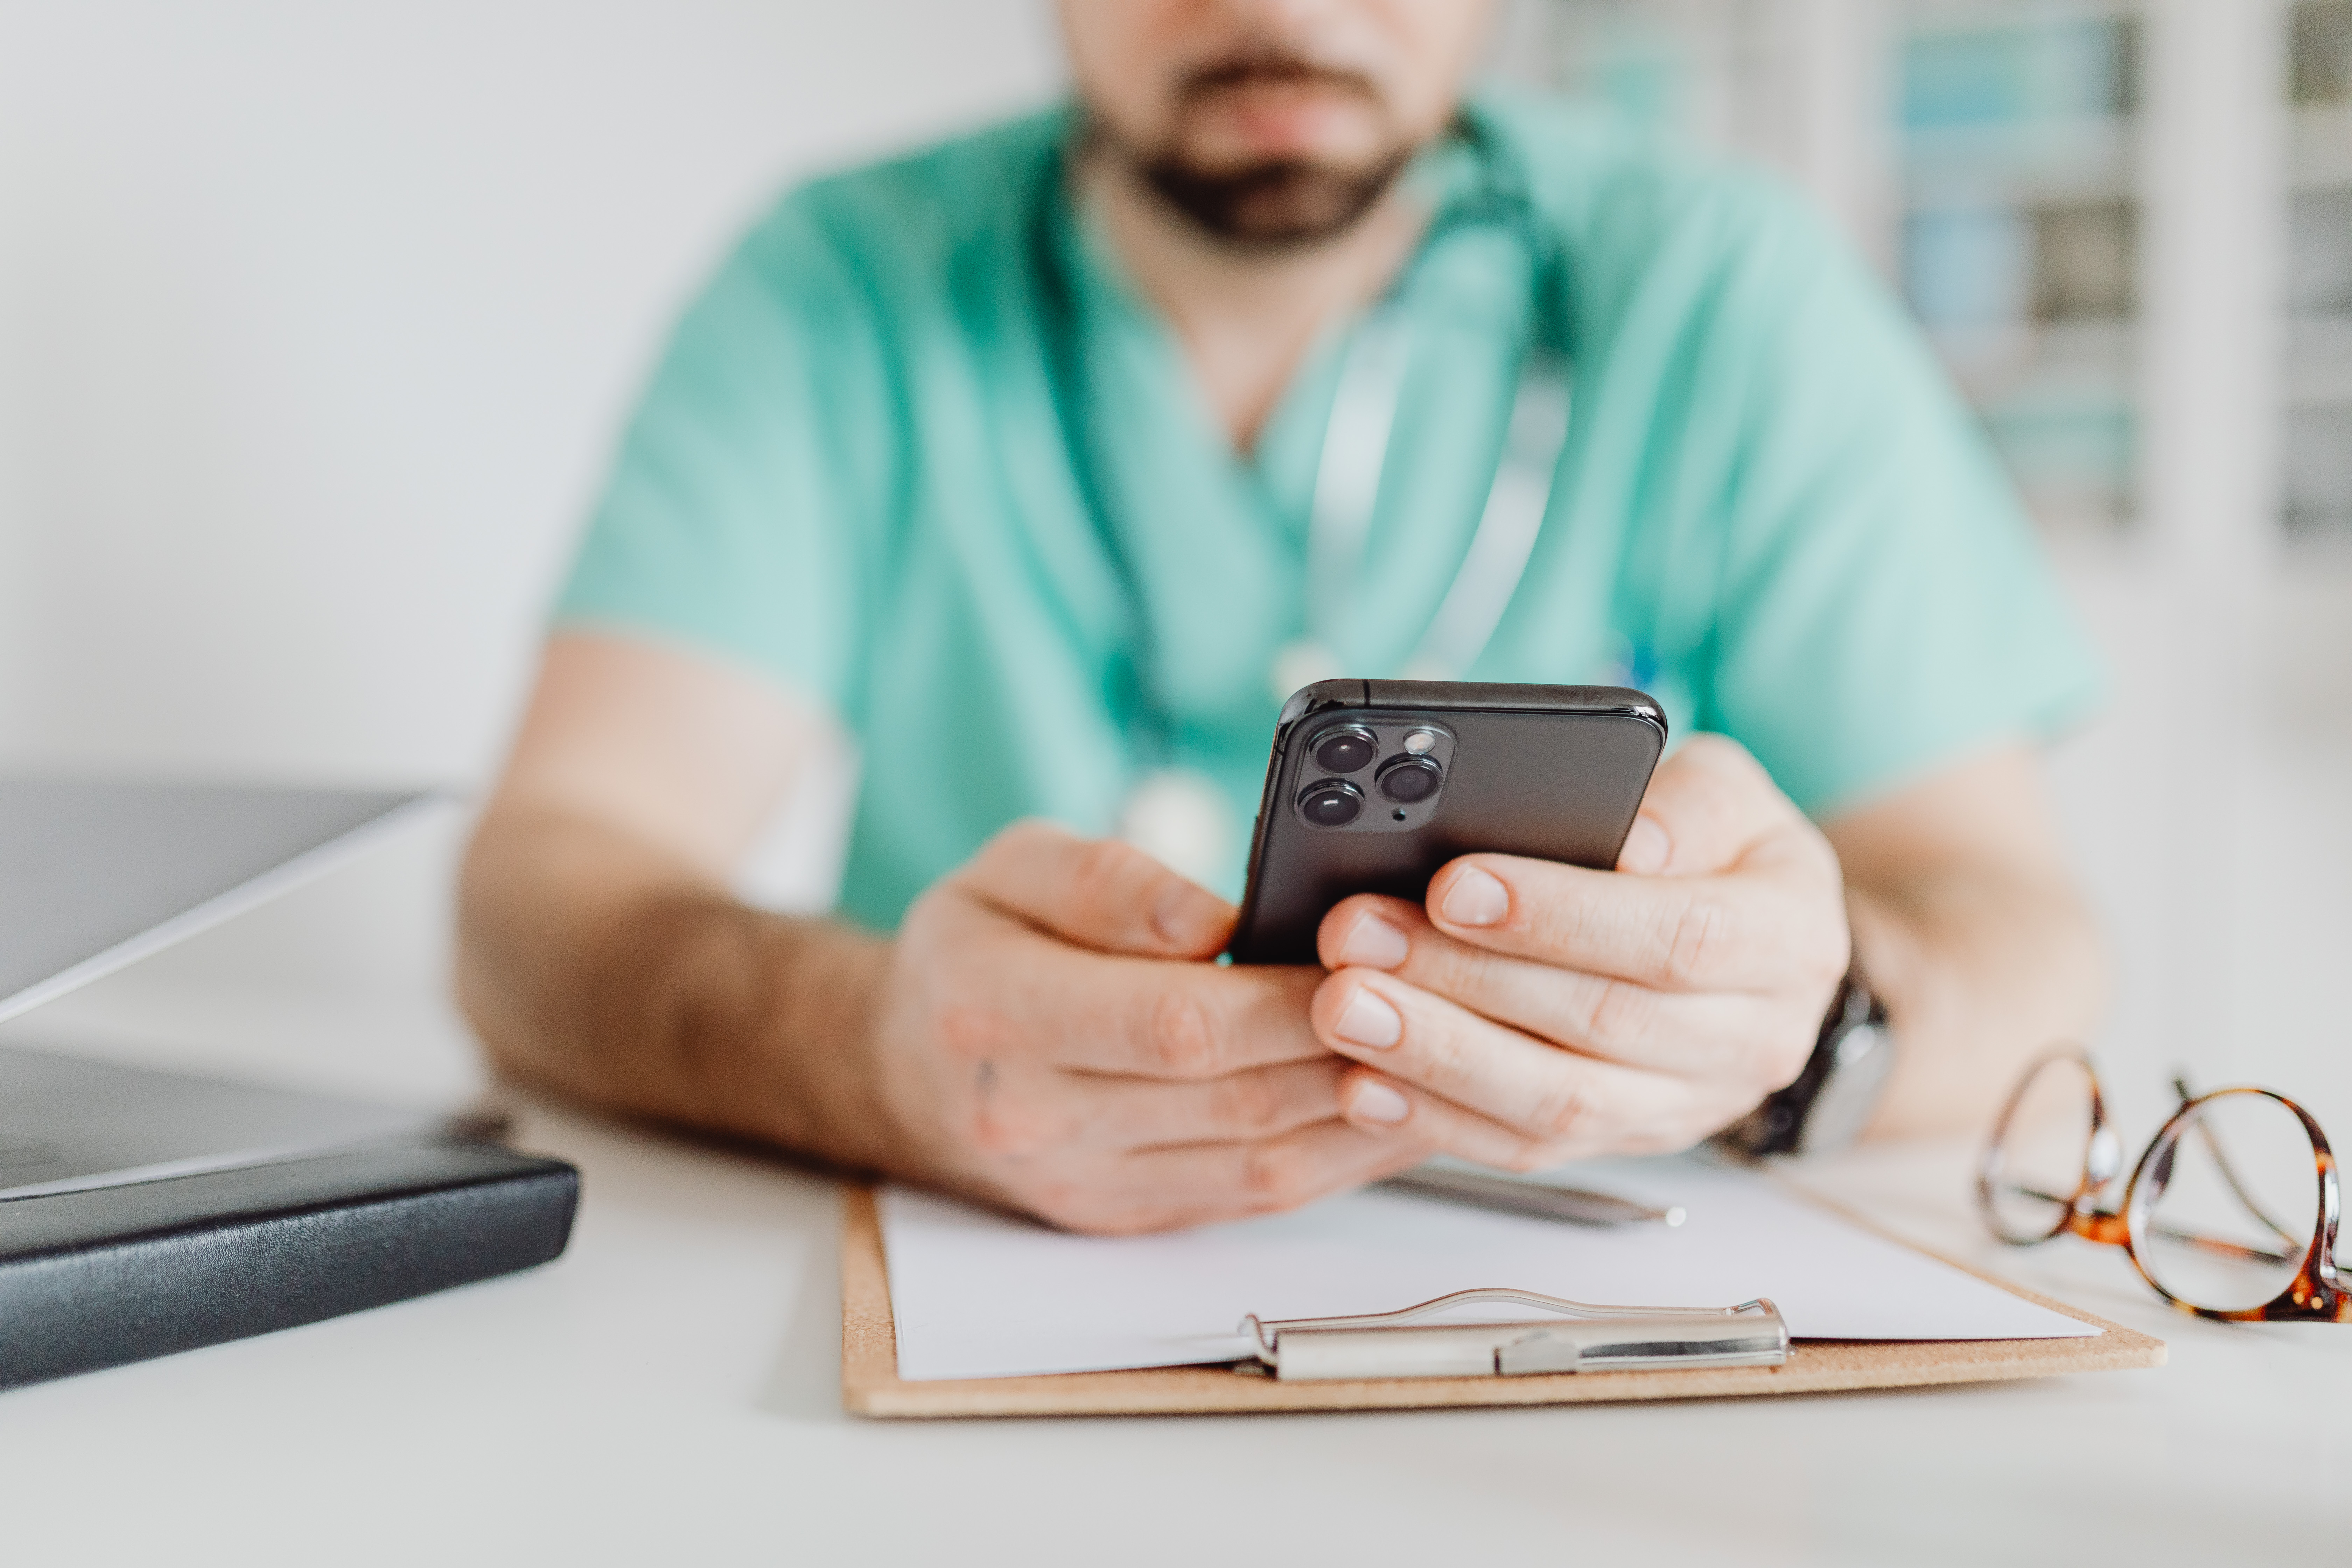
820, 1088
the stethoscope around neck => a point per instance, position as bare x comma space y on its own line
1359, 436
1356, 445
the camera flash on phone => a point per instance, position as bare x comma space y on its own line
1420, 742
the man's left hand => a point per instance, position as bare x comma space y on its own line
1530, 1013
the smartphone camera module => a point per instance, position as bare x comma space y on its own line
1409, 780
1381, 774
1348, 749
1330, 803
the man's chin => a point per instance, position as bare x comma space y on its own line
1275, 203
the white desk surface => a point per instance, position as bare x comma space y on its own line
666, 1393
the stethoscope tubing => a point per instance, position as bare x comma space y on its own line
1358, 437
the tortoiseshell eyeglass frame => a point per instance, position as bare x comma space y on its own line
2321, 1291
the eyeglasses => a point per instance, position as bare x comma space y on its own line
2230, 1213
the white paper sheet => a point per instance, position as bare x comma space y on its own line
977, 1294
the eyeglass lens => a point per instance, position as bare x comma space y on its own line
2227, 1203
2042, 1151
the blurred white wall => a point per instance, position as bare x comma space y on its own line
315, 323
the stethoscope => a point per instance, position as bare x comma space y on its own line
1175, 812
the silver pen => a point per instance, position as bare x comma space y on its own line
1575, 1204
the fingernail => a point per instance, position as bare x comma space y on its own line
1647, 848
1379, 1102
1368, 1021
1475, 899
1375, 944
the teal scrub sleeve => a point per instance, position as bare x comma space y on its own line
739, 513
1882, 607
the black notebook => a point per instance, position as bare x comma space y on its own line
143, 1213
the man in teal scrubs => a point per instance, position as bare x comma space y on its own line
1040, 462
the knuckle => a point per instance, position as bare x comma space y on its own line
995, 1131
1181, 1034
1694, 934
1451, 969
1572, 924
1102, 869
1438, 1057
1009, 846
1274, 1176
1622, 1014
1562, 1114
1246, 1103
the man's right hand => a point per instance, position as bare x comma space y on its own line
1046, 1030
1050, 1033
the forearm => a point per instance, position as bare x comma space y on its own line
1980, 972
596, 966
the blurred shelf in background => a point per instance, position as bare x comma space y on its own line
1992, 155
2318, 461
2020, 226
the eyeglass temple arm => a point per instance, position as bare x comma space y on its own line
2174, 1233
2228, 1176
2238, 1250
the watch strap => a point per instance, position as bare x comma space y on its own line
1826, 1106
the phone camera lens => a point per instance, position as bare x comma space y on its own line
1408, 781
1330, 803
1346, 749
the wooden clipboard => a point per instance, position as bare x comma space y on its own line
870, 1384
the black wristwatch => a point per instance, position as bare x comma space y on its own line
1826, 1107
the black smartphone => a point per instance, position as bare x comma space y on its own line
1375, 785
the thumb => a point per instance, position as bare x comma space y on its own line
1097, 892
1706, 806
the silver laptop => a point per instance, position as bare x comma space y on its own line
95, 875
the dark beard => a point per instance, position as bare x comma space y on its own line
1278, 203
1283, 203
